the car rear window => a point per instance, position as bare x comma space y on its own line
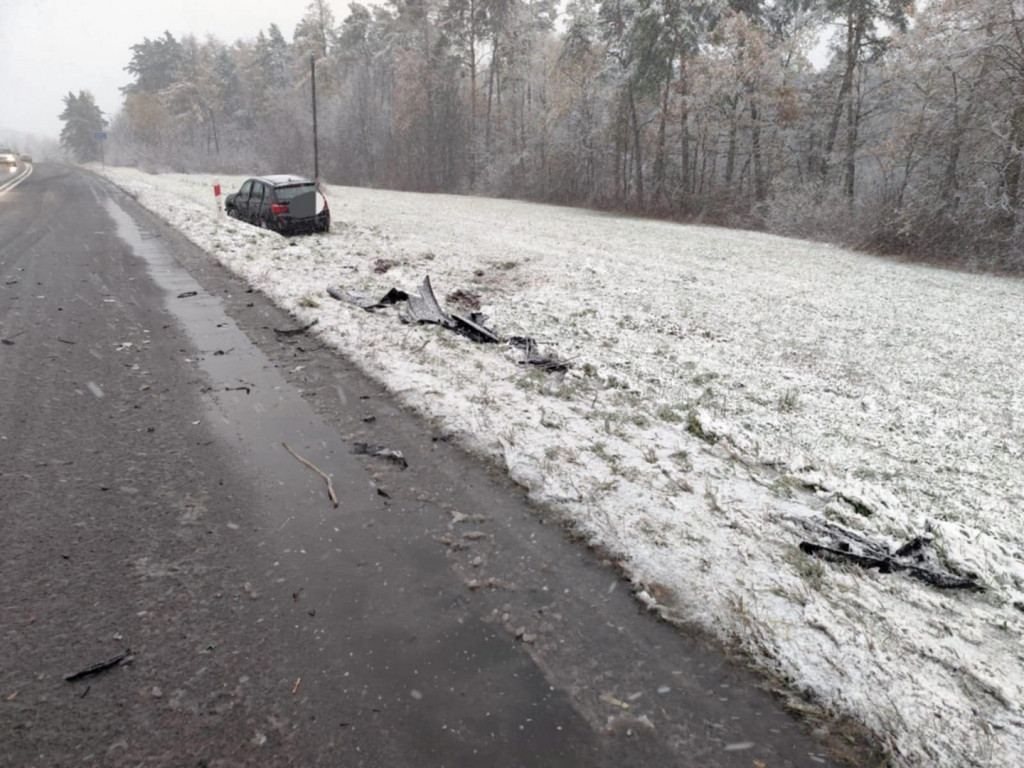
289, 193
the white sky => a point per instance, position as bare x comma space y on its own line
50, 47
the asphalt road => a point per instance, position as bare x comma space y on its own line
148, 502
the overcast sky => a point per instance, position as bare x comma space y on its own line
50, 47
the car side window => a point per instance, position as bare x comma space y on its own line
243, 193
257, 192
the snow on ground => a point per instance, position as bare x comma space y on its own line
725, 387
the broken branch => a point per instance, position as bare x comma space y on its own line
315, 468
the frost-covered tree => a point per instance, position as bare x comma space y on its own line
865, 29
155, 64
954, 162
82, 118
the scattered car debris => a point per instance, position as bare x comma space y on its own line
424, 308
188, 294
369, 449
315, 468
913, 558
393, 296
532, 357
473, 328
247, 390
125, 657
8, 342
295, 331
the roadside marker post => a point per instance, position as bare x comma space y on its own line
216, 195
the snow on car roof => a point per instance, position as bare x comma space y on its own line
278, 179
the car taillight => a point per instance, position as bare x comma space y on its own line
278, 208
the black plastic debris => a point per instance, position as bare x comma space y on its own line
473, 328
369, 449
393, 296
125, 657
424, 308
915, 558
531, 356
188, 294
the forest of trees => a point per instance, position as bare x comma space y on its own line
904, 137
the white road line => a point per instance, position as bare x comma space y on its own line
12, 183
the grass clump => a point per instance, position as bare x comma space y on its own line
669, 414
696, 428
789, 400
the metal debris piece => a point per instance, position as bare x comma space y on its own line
369, 449
188, 294
125, 657
913, 558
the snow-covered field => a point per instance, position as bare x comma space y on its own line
726, 388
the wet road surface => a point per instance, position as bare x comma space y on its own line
149, 502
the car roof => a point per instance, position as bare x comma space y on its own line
280, 179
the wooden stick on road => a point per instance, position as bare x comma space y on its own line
315, 468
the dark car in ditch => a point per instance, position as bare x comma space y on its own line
282, 202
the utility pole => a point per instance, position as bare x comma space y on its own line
316, 152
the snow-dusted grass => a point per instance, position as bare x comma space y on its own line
725, 385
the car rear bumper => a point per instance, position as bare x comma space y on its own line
289, 226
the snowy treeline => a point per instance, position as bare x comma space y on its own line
907, 137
